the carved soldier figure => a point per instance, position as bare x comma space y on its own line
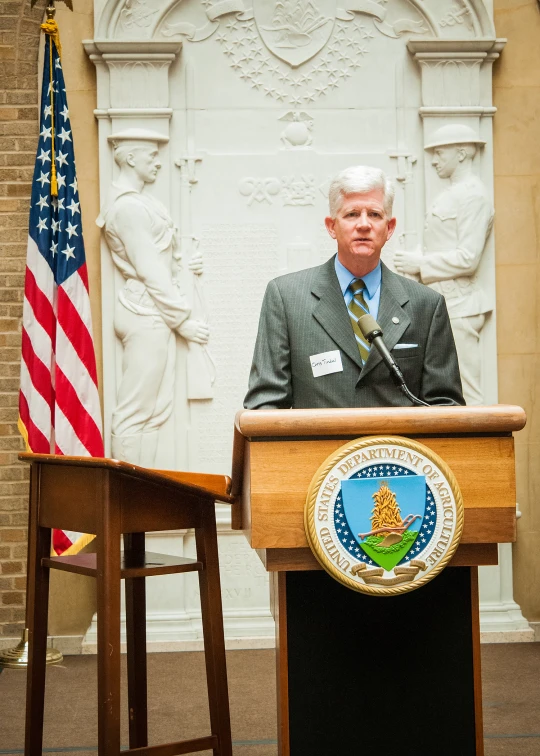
150, 309
455, 234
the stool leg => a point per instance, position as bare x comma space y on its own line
37, 604
108, 615
136, 643
212, 622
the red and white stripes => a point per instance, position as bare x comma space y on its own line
59, 403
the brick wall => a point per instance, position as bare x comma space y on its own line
19, 43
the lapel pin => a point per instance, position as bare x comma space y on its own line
395, 320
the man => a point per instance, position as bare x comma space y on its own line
457, 227
310, 318
150, 309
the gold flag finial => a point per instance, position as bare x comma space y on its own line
50, 27
51, 9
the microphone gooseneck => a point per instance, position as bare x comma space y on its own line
373, 333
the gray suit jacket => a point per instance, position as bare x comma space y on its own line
304, 314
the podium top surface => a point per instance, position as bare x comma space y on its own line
278, 452
202, 484
498, 418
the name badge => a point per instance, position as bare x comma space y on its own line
326, 363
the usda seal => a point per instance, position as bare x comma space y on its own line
384, 515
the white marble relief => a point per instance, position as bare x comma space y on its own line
259, 189
298, 133
455, 80
257, 67
457, 227
139, 83
136, 16
151, 310
300, 255
298, 190
278, 96
296, 30
457, 15
249, 53
293, 190
305, 22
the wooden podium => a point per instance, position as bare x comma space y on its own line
358, 672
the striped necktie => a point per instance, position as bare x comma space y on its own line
358, 307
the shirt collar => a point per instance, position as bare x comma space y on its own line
372, 279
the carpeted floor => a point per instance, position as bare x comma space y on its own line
177, 702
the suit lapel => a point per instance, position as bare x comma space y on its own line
393, 297
331, 313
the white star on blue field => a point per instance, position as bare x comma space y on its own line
349, 539
55, 222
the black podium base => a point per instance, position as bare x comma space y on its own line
379, 675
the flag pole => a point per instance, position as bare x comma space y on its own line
17, 657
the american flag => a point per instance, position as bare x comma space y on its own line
59, 409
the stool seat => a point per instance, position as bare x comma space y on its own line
148, 564
111, 500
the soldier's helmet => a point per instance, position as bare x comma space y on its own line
454, 133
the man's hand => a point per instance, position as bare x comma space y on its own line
194, 330
408, 262
196, 264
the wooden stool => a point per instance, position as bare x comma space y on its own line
111, 499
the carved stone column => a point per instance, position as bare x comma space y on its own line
134, 91
456, 89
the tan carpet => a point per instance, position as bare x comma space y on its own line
176, 697
177, 702
511, 695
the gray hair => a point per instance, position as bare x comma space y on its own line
359, 179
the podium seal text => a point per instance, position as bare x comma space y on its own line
383, 515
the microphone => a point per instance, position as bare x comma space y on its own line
372, 332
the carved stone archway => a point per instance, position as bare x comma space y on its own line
149, 16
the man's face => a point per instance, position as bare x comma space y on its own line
446, 160
146, 163
361, 229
